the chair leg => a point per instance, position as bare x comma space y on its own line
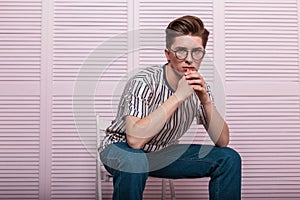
172, 189
98, 181
163, 189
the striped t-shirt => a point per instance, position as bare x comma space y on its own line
144, 93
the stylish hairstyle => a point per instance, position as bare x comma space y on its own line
186, 25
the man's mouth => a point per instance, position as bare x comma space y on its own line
189, 68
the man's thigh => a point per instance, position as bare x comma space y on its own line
184, 161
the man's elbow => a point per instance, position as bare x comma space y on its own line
222, 143
134, 143
223, 140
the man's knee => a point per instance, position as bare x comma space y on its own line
232, 157
135, 163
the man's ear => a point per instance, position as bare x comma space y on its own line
167, 54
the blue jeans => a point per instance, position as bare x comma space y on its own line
130, 168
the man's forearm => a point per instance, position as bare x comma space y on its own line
216, 126
140, 131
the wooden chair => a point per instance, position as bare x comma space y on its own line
103, 175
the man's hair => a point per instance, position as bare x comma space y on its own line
186, 25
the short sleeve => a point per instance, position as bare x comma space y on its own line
136, 99
200, 113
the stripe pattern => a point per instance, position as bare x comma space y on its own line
144, 93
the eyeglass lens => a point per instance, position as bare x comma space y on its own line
182, 54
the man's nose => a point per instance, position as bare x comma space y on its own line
189, 58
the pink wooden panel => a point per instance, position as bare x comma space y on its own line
20, 59
263, 102
81, 44
152, 18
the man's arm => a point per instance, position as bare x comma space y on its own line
140, 131
216, 126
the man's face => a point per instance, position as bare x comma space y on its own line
186, 42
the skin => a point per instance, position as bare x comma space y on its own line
184, 78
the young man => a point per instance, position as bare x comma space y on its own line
157, 107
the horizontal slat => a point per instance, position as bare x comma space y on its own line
263, 43
266, 135
19, 32
73, 168
77, 26
19, 152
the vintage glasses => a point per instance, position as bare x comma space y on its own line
182, 53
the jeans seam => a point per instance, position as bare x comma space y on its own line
217, 184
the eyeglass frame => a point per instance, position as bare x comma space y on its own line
187, 53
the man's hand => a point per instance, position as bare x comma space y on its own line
197, 82
184, 90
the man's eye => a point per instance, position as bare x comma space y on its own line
197, 51
181, 50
